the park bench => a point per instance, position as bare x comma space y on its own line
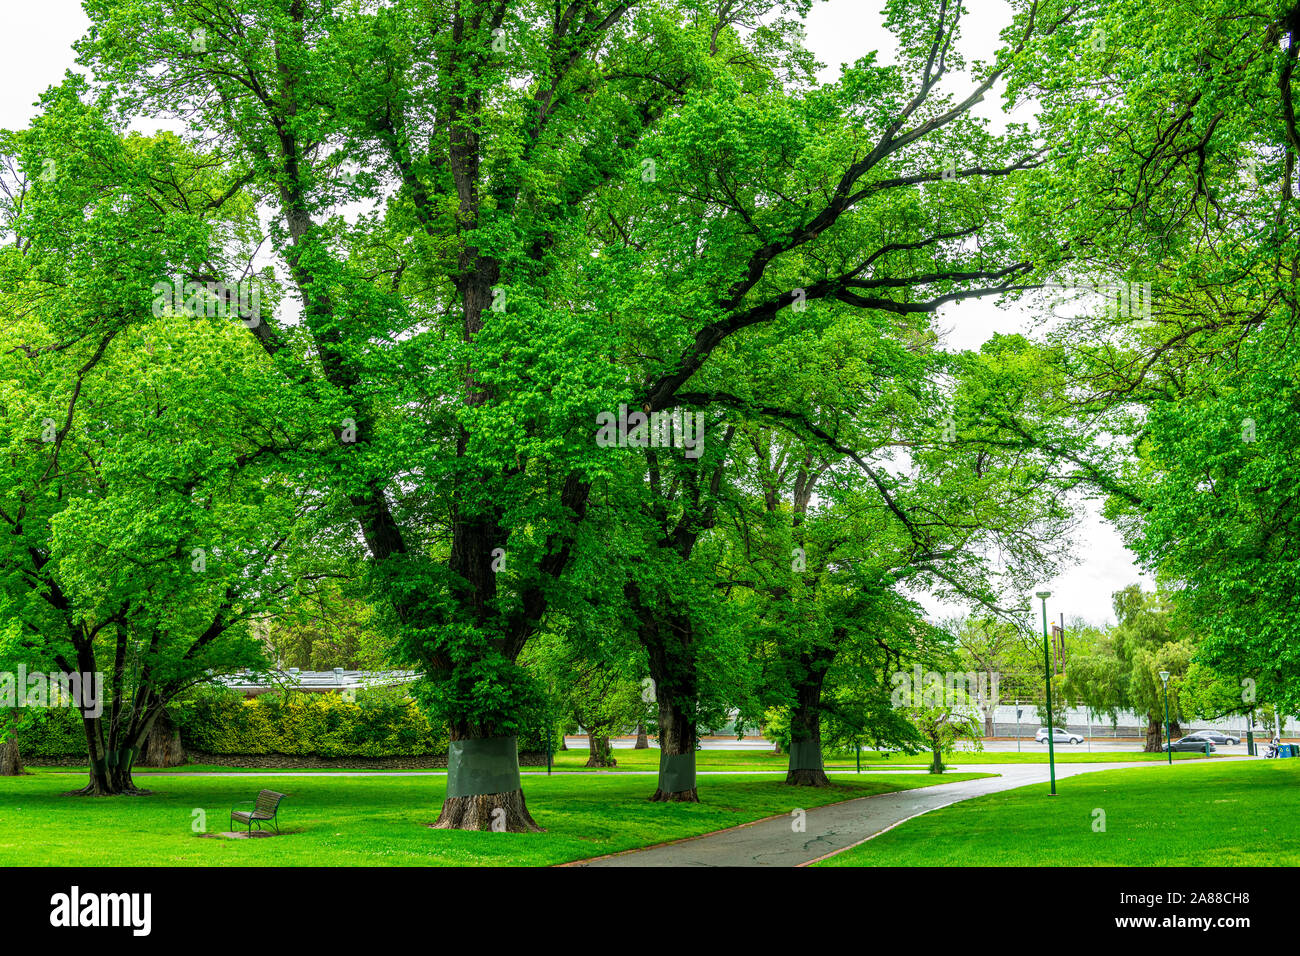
264, 810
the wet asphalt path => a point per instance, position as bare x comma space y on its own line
831, 829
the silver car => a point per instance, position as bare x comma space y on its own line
1059, 736
1214, 737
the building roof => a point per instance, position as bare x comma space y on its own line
338, 679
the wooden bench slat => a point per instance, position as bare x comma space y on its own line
265, 807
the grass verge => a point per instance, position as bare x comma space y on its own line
1214, 814
381, 820
735, 761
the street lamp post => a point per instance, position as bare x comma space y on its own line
1047, 672
1017, 725
1164, 679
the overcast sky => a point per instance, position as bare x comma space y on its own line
35, 50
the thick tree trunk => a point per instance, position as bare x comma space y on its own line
564, 744
162, 747
11, 760
806, 734
642, 741
110, 781
989, 730
670, 653
599, 752
677, 737
503, 811
807, 778
110, 770
481, 812
937, 765
1155, 736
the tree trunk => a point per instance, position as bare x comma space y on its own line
479, 812
937, 766
110, 770
564, 744
110, 780
670, 654
989, 730
469, 763
806, 734
677, 736
642, 741
162, 747
807, 778
599, 752
11, 760
1155, 736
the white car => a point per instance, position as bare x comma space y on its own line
1059, 736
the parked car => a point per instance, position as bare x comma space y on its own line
1214, 737
1192, 743
1059, 736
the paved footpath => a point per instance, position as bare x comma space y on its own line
843, 825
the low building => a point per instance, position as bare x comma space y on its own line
338, 681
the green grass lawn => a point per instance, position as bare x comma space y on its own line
748, 760
566, 760
1214, 814
379, 820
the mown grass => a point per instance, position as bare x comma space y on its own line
1239, 813
747, 760
382, 820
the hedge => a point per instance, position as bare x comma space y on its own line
52, 732
296, 724
301, 725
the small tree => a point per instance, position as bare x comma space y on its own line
592, 682
941, 723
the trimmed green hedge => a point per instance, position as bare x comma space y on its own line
52, 732
381, 724
301, 725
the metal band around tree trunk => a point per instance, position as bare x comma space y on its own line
805, 755
482, 765
676, 772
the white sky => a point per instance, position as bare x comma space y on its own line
35, 50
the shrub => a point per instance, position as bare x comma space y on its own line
379, 723
299, 724
52, 732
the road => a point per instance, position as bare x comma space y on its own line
1027, 745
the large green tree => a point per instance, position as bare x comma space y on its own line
567, 209
1174, 167
1122, 672
144, 520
